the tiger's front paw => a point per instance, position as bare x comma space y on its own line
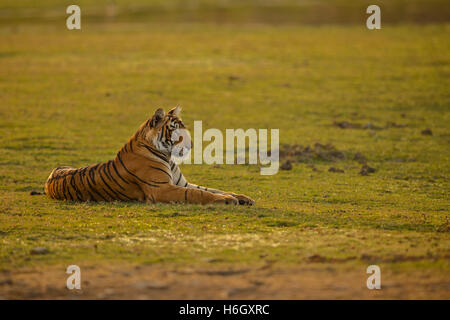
227, 199
243, 199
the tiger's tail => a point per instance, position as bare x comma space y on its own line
37, 193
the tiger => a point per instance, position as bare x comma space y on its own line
143, 170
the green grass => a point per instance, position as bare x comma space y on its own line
73, 98
226, 11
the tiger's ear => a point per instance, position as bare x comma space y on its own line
157, 118
175, 111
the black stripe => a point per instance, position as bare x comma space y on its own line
54, 188
57, 187
63, 189
95, 191
124, 195
115, 169
92, 174
70, 194
163, 163
185, 195
162, 133
91, 195
160, 156
104, 182
162, 171
101, 177
121, 162
179, 178
68, 191
186, 184
83, 174
58, 191
110, 175
79, 194
131, 146
73, 184
112, 198
159, 182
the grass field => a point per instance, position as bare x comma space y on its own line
74, 98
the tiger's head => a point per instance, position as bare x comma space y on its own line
165, 131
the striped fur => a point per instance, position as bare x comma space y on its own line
141, 171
